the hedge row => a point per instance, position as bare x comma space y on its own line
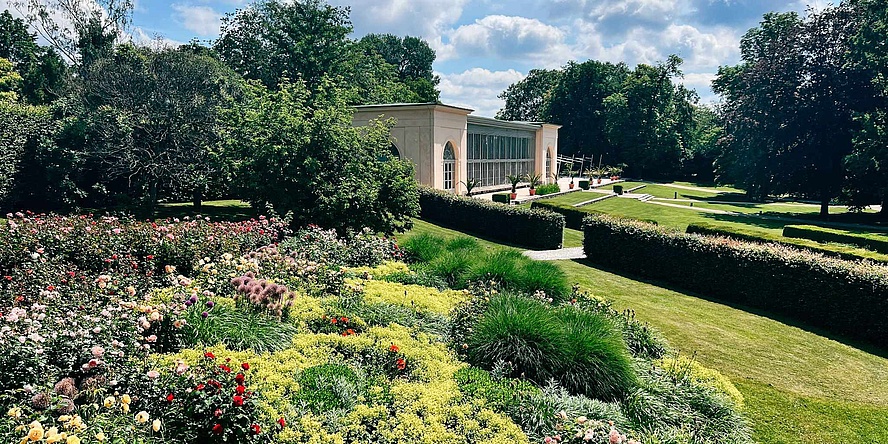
821, 234
845, 297
841, 251
573, 216
515, 225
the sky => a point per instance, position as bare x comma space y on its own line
483, 46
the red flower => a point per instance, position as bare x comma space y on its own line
209, 355
150, 257
256, 429
217, 413
8, 278
238, 400
239, 378
170, 397
402, 364
225, 368
199, 387
344, 319
217, 429
245, 366
50, 288
394, 348
240, 390
332, 320
281, 422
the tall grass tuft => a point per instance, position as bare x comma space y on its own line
238, 330
545, 276
501, 266
598, 362
424, 247
520, 331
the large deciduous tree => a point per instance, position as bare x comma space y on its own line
525, 99
297, 151
41, 68
412, 59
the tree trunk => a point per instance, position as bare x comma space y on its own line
197, 199
824, 205
152, 198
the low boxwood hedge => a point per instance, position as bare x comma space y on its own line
531, 228
502, 197
821, 234
845, 252
845, 297
583, 183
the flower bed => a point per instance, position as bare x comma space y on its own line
314, 339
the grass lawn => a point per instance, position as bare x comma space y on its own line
574, 198
800, 387
221, 210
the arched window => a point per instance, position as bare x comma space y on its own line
549, 173
396, 154
449, 163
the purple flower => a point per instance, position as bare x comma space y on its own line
204, 314
210, 304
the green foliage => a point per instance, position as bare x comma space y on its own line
512, 224
525, 99
505, 395
751, 235
782, 280
23, 131
548, 189
413, 59
462, 262
870, 241
337, 176
583, 183
328, 388
503, 198
237, 329
672, 407
549, 410
582, 350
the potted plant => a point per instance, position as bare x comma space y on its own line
514, 181
617, 170
598, 172
572, 173
534, 180
470, 185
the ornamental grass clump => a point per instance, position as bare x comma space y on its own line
583, 351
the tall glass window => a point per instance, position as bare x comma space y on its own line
492, 154
449, 163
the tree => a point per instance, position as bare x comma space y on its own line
577, 103
703, 149
649, 121
41, 68
789, 107
82, 32
412, 59
273, 40
525, 100
151, 117
297, 151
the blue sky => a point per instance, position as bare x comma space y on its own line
485, 45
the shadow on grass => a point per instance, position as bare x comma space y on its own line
746, 220
860, 345
724, 197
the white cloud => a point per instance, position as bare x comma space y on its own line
203, 20
700, 82
477, 88
423, 18
157, 41
511, 38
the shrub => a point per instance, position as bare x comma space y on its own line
618, 189
238, 329
328, 387
844, 297
414, 297
554, 411
672, 407
521, 331
503, 198
550, 188
581, 350
511, 224
869, 241
584, 184
831, 249
504, 395
684, 367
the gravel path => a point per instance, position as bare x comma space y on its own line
555, 255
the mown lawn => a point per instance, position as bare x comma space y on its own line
800, 387
221, 210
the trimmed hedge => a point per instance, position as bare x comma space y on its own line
583, 183
502, 197
821, 234
515, 225
618, 189
840, 251
573, 216
845, 297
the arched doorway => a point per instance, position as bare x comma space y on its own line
449, 164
